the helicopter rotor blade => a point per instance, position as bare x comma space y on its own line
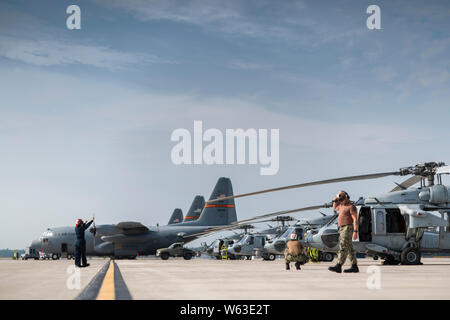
407, 183
282, 213
313, 183
238, 224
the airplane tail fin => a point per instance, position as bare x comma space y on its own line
177, 216
196, 209
222, 212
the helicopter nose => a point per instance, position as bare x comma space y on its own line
330, 238
237, 248
280, 245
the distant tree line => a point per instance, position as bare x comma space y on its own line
9, 252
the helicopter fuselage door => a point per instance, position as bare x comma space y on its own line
365, 224
379, 221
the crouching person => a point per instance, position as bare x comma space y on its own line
295, 252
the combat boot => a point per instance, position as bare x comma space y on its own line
354, 269
288, 267
337, 268
297, 265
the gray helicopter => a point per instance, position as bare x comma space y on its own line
215, 248
253, 244
395, 226
277, 245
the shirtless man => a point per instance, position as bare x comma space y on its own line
295, 252
348, 229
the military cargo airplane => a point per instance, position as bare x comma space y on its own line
193, 214
196, 209
129, 239
177, 216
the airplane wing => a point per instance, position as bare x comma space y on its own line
131, 227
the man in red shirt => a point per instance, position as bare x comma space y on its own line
348, 229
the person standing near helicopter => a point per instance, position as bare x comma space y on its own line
348, 230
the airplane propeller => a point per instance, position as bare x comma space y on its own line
93, 230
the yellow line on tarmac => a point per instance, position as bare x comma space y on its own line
107, 290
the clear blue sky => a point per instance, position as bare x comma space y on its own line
86, 115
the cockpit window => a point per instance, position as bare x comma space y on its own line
47, 234
287, 233
243, 240
332, 220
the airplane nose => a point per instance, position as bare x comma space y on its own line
35, 244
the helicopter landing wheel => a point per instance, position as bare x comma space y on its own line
327, 256
410, 256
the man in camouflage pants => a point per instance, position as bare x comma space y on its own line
295, 252
348, 230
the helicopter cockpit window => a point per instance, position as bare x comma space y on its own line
251, 240
287, 233
395, 223
332, 220
299, 232
243, 240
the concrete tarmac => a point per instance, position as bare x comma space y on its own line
44, 280
215, 279
257, 279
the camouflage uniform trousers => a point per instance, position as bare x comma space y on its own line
291, 258
346, 245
